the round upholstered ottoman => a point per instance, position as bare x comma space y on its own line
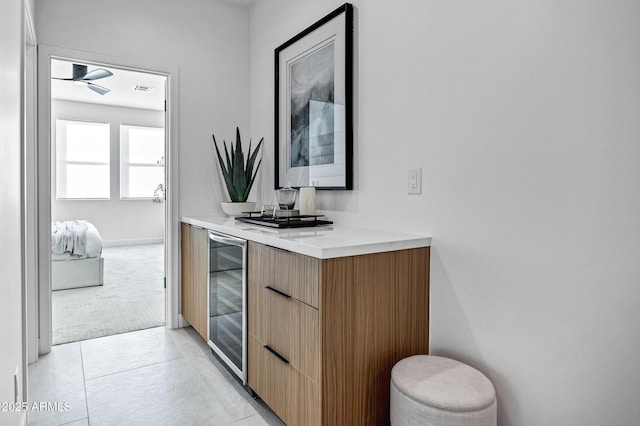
432, 390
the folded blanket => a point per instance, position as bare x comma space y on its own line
69, 237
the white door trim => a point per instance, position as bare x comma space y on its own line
30, 187
172, 216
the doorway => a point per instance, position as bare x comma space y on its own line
47, 184
107, 199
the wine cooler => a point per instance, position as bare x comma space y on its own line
227, 301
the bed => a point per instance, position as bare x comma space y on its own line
76, 248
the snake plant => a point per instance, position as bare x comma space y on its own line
238, 175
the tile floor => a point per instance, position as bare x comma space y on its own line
148, 377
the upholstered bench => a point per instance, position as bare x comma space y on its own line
437, 391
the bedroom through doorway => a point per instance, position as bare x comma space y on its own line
108, 145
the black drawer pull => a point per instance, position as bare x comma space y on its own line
280, 357
275, 290
279, 249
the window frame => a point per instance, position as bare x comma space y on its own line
61, 147
124, 167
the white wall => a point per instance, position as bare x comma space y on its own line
207, 40
118, 221
524, 119
11, 326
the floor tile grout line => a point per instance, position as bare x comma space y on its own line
84, 385
74, 421
136, 368
245, 418
110, 335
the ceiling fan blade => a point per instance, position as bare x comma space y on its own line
98, 89
64, 79
98, 73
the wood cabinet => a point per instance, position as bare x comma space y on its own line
195, 268
325, 333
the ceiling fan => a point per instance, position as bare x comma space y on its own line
80, 75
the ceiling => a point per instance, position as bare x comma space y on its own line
120, 84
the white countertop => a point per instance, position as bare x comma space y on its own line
322, 242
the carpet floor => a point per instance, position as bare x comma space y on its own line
132, 297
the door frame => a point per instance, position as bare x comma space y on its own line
29, 197
172, 217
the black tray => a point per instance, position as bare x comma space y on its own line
302, 221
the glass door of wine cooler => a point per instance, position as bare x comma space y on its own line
227, 300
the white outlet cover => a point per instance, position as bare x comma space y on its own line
414, 181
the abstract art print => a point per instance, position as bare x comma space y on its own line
313, 111
312, 88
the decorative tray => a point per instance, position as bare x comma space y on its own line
300, 221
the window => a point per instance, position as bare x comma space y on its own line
82, 160
141, 161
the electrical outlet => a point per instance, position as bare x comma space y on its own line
414, 181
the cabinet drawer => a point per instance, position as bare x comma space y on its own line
288, 326
294, 274
292, 329
289, 393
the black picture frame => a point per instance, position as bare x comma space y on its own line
314, 105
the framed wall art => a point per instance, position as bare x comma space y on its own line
313, 105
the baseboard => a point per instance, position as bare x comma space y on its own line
115, 243
182, 322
